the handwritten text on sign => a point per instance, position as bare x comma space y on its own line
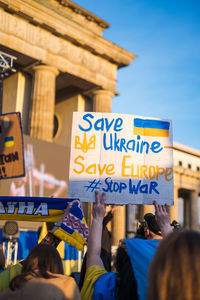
126, 156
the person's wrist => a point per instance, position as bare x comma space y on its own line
55, 228
166, 229
98, 219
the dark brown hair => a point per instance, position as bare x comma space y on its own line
2, 259
41, 262
126, 286
175, 270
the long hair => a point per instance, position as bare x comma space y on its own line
175, 270
42, 261
2, 259
126, 287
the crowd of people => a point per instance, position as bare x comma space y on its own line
161, 264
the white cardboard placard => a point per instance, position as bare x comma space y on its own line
129, 157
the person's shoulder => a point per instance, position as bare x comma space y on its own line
64, 278
55, 278
68, 285
57, 287
61, 280
95, 270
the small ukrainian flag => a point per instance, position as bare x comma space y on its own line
9, 141
148, 127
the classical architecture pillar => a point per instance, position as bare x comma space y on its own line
174, 208
118, 224
102, 100
102, 103
147, 209
186, 212
143, 210
194, 210
43, 105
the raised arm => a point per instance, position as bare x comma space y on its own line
94, 239
162, 216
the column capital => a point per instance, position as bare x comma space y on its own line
46, 68
102, 100
103, 92
194, 192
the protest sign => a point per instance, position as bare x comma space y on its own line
46, 171
128, 157
11, 146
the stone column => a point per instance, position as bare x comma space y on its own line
43, 106
186, 212
118, 224
102, 103
174, 208
147, 209
194, 210
143, 210
102, 100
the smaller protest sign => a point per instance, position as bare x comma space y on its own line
11, 146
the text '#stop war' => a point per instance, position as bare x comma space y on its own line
134, 187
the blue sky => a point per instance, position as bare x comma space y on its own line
164, 81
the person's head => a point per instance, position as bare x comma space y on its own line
174, 272
152, 230
42, 261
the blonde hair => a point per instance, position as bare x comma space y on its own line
174, 273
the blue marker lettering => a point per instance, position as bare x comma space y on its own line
156, 145
85, 118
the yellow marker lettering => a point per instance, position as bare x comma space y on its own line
137, 175
124, 166
91, 169
80, 164
159, 171
168, 172
101, 170
152, 172
143, 170
110, 169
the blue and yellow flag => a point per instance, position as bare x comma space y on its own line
9, 141
148, 127
141, 253
74, 228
